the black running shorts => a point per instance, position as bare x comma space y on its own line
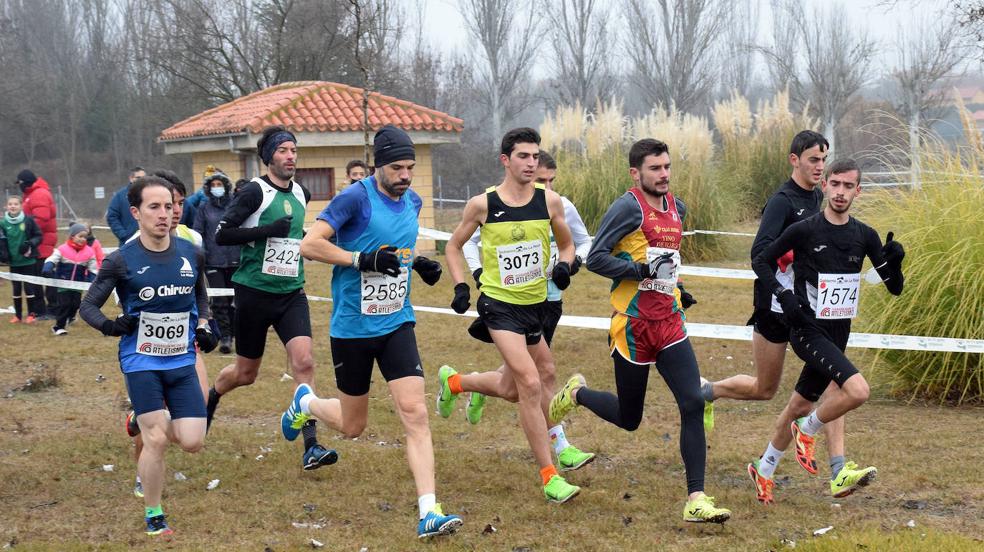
526, 320
396, 353
257, 310
770, 325
822, 349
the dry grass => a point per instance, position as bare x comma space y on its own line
56, 496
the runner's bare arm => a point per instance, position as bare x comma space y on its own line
316, 247
475, 211
561, 232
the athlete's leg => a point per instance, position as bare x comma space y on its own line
346, 414
494, 384
188, 433
241, 372
521, 368
768, 358
201, 372
833, 430
797, 407
623, 409
408, 397
543, 358
678, 366
150, 463
301, 360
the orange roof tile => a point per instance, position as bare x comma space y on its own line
310, 106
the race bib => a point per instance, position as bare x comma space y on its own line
520, 263
663, 265
282, 257
837, 296
554, 255
382, 294
163, 334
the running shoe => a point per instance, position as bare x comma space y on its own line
157, 526
763, 485
30, 319
435, 524
15, 320
225, 346
805, 446
292, 419
559, 490
708, 411
445, 398
318, 456
138, 489
850, 479
475, 407
572, 458
563, 402
703, 510
132, 427
59, 331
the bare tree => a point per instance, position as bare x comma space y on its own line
581, 50
504, 30
929, 53
738, 50
671, 49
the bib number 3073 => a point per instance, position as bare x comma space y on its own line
520, 263
382, 294
163, 334
282, 257
837, 296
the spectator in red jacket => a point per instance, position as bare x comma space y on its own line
40, 205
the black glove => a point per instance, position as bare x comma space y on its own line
206, 340
576, 265
428, 269
794, 311
892, 251
462, 298
562, 275
24, 248
124, 324
686, 299
478, 278
643, 269
383, 260
279, 228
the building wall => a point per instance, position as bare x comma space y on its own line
335, 158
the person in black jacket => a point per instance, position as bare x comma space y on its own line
221, 261
20, 237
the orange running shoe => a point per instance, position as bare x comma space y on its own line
30, 319
763, 485
15, 320
805, 445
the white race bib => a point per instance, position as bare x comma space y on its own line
664, 265
837, 296
520, 263
282, 257
382, 294
163, 334
554, 257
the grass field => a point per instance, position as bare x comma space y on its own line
54, 442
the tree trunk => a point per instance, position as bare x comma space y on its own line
915, 166
829, 131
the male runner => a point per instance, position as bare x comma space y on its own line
266, 217
638, 246
569, 457
516, 219
375, 222
829, 249
163, 295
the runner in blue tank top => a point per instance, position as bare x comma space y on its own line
375, 224
163, 295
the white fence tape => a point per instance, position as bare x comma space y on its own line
711, 331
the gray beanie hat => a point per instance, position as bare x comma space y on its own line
77, 227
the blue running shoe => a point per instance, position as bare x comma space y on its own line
292, 419
157, 526
435, 523
318, 456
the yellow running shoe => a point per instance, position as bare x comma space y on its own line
850, 479
559, 490
563, 402
572, 458
703, 510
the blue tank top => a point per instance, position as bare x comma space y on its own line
369, 304
164, 286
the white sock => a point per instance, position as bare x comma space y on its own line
769, 461
138, 479
811, 424
558, 439
426, 503
306, 402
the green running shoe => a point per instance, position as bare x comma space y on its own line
445, 398
476, 405
559, 490
563, 402
703, 510
708, 411
850, 479
572, 458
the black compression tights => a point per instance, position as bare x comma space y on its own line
678, 366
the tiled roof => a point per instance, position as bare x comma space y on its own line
310, 106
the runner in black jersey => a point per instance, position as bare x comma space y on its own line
829, 249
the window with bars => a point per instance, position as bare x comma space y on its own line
320, 182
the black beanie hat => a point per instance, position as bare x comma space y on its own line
26, 177
391, 144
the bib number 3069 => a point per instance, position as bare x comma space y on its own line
837, 295
282, 257
382, 294
163, 334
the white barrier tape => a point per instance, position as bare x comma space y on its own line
710, 272
719, 233
711, 331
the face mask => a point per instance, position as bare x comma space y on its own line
217, 192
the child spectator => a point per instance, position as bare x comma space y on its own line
20, 237
73, 260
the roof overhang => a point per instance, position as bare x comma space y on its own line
246, 141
